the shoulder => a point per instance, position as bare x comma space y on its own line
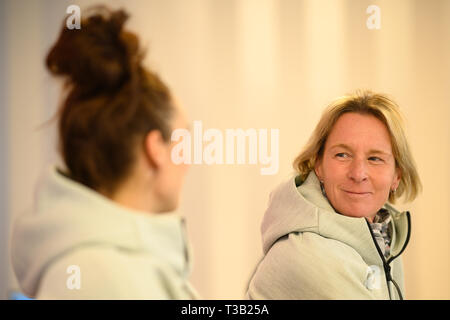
313, 251
306, 265
104, 272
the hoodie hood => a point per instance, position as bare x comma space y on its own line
67, 215
297, 206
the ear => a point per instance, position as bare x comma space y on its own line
155, 148
318, 168
397, 178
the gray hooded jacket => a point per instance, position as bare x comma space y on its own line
77, 244
312, 252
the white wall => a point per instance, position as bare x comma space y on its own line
250, 64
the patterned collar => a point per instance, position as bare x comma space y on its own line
382, 231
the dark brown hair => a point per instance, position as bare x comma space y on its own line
112, 101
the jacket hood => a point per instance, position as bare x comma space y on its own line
301, 207
67, 215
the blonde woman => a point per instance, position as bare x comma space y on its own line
331, 232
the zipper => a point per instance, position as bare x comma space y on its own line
386, 264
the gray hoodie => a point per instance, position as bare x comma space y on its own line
312, 252
77, 244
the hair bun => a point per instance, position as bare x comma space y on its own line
100, 55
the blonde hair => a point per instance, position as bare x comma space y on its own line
384, 109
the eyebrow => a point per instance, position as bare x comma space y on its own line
372, 151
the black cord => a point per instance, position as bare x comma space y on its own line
398, 289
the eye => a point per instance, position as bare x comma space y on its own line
376, 159
342, 155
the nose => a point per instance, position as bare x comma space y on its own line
358, 170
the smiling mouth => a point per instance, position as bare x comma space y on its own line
357, 194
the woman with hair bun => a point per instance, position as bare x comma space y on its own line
100, 227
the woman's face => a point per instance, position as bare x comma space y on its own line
357, 167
